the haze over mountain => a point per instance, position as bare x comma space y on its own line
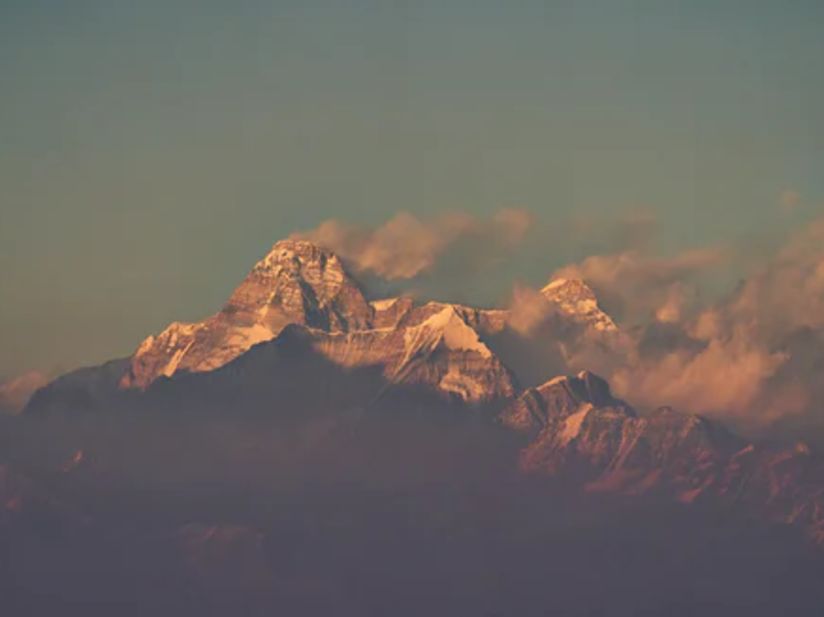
303, 393
453, 308
298, 334
16, 392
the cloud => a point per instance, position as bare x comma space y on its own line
788, 292
634, 284
755, 356
725, 376
671, 310
528, 309
405, 246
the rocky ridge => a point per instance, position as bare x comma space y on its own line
440, 345
574, 428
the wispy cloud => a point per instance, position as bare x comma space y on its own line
636, 284
407, 246
755, 355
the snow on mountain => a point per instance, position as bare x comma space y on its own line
297, 282
300, 283
576, 300
440, 351
559, 398
447, 327
571, 426
575, 429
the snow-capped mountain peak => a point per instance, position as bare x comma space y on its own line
296, 282
299, 282
576, 300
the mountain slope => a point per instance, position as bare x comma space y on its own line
16, 392
440, 351
575, 299
298, 334
295, 283
298, 282
84, 389
576, 430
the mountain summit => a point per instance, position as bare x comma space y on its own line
575, 299
300, 283
297, 282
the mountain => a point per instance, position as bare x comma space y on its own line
84, 389
298, 282
298, 340
559, 398
449, 348
574, 299
16, 392
295, 283
576, 430
435, 348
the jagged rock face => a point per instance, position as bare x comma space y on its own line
388, 313
300, 283
579, 432
437, 345
484, 321
613, 447
433, 347
557, 399
787, 484
296, 283
576, 300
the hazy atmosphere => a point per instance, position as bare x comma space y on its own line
151, 152
414, 308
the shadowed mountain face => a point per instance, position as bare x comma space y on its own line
296, 283
306, 450
389, 513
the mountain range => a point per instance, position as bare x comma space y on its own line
299, 333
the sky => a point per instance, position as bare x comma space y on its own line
151, 152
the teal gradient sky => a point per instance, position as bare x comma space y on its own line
151, 151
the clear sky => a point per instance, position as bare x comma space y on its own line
151, 151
